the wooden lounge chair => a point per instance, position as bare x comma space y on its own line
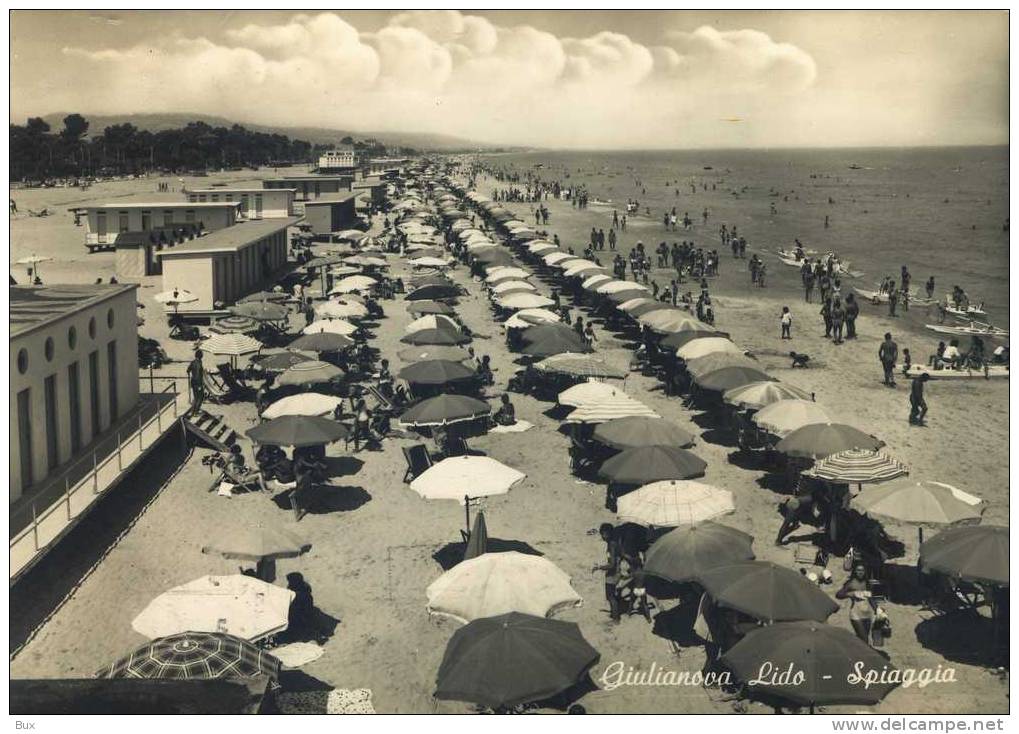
383, 403
418, 461
247, 480
236, 390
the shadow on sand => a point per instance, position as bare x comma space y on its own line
452, 553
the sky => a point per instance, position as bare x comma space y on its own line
551, 79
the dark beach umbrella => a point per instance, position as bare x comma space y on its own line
557, 343
263, 296
430, 307
644, 308
445, 409
280, 361
433, 293
651, 464
322, 342
729, 377
636, 431
525, 236
827, 656
298, 430
689, 550
546, 329
817, 440
977, 553
477, 543
682, 338
435, 336
433, 351
717, 360
435, 372
512, 659
766, 591
439, 280
243, 541
195, 656
260, 311
323, 261
494, 257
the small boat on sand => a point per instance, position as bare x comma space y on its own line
997, 371
972, 329
872, 296
963, 311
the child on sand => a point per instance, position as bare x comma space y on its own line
787, 323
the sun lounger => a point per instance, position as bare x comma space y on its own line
418, 460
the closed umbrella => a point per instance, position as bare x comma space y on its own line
977, 553
588, 392
322, 342
466, 476
689, 550
298, 430
477, 543
578, 365
766, 591
782, 417
857, 466
443, 336
758, 395
261, 311
648, 464
512, 659
669, 503
430, 307
195, 656
243, 542
433, 351
729, 377
704, 347
330, 326
817, 440
435, 372
432, 321
628, 433
237, 605
499, 583
445, 409
305, 403
829, 658
312, 372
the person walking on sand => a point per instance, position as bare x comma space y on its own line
787, 323
838, 317
852, 311
196, 381
893, 300
826, 315
612, 239
917, 404
611, 568
888, 354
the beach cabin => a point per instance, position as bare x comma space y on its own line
310, 186
330, 214
104, 223
255, 203
228, 264
371, 192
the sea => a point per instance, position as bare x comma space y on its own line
938, 211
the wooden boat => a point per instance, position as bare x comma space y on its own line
973, 329
997, 371
872, 296
967, 312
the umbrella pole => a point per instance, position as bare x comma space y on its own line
467, 511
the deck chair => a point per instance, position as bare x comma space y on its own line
235, 389
384, 403
456, 446
418, 461
248, 480
183, 331
215, 391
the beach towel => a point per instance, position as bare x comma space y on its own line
518, 427
350, 701
225, 489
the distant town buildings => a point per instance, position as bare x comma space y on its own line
339, 158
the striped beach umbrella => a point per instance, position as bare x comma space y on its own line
195, 656
233, 345
610, 409
234, 325
312, 372
587, 393
857, 466
671, 503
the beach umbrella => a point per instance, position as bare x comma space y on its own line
975, 553
499, 583
758, 395
609, 409
512, 286
556, 257
175, 297
588, 392
686, 551
236, 605
264, 296
578, 365
353, 283
782, 417
233, 345
330, 326
261, 311
493, 256
919, 503
582, 267
727, 378
353, 235
670, 503
195, 656
426, 307
466, 476
442, 335
433, 292
628, 433
678, 340
243, 542
639, 301
280, 361
324, 261
298, 430
433, 351
766, 591
423, 249
594, 281
437, 279
637, 311
527, 317
621, 286
429, 262
338, 310
829, 658
857, 466
647, 464
305, 403
507, 273
366, 261
312, 372
233, 325
704, 347
432, 321
537, 332
671, 321
817, 440
322, 342
34, 261
445, 409
540, 247
435, 372
461, 225
553, 343
710, 362
344, 270
512, 659
517, 301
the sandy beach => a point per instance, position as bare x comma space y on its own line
374, 541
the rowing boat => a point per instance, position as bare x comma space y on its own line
988, 373
971, 330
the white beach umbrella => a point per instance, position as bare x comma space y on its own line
708, 345
517, 301
595, 281
591, 392
507, 273
353, 283
462, 476
433, 321
330, 326
233, 345
513, 285
617, 286
529, 317
429, 262
580, 266
555, 257
608, 409
308, 403
175, 296
674, 502
499, 583
338, 310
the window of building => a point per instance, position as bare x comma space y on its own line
111, 359
74, 405
101, 223
52, 437
123, 222
92, 327
110, 318
93, 391
189, 216
72, 337
215, 197
258, 206
48, 348
146, 221
25, 437
167, 218
22, 361
244, 204
203, 197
